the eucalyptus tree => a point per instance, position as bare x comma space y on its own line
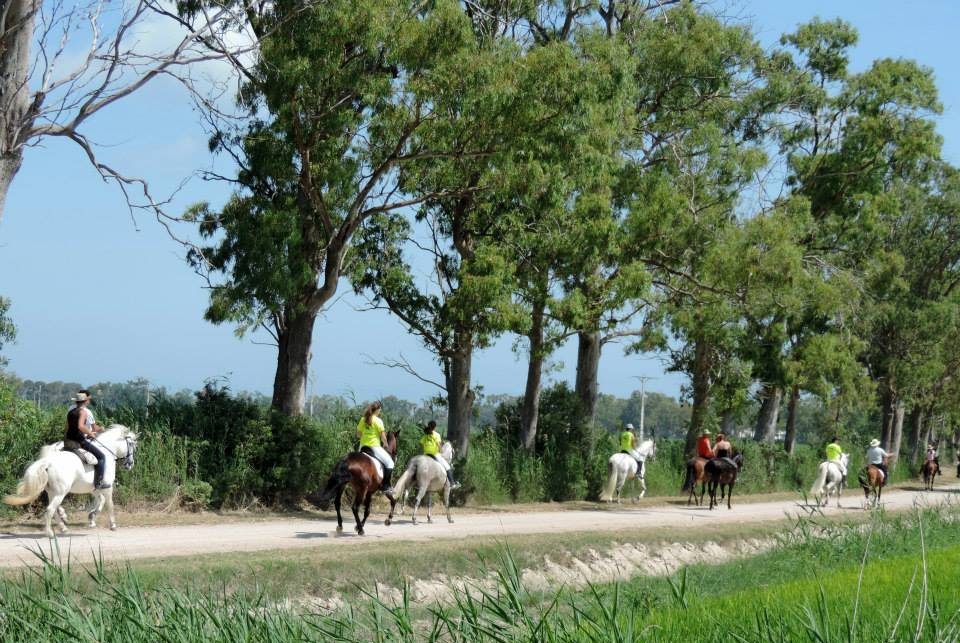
914, 313
526, 109
335, 103
847, 140
63, 63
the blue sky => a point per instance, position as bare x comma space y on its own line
97, 296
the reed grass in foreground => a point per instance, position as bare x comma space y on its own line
888, 582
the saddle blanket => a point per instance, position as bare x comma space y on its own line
377, 464
85, 456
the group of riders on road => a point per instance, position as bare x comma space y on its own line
372, 436
82, 429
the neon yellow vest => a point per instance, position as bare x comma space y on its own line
370, 433
626, 441
834, 452
430, 443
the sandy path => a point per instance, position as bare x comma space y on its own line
16, 546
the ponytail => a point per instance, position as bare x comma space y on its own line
370, 410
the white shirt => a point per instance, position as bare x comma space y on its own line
875, 455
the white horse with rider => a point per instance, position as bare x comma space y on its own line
622, 467
428, 476
831, 478
60, 472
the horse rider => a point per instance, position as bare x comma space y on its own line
722, 448
629, 444
878, 458
81, 428
704, 450
834, 454
932, 455
431, 442
372, 436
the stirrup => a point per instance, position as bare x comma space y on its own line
102, 485
388, 492
455, 485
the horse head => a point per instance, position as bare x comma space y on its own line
123, 444
647, 450
446, 451
738, 460
392, 440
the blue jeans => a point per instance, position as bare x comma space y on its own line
98, 470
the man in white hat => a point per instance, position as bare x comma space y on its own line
81, 427
878, 458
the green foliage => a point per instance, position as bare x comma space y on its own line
8, 332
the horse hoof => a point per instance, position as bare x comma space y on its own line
50, 534
113, 527
63, 530
339, 530
450, 520
387, 522
429, 521
92, 525
359, 532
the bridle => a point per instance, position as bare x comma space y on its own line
127, 460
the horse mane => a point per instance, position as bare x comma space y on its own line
118, 432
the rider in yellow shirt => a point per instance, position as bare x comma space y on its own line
372, 436
431, 443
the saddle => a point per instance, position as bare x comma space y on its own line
85, 456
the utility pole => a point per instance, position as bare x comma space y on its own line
643, 398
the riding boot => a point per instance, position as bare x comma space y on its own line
385, 486
453, 483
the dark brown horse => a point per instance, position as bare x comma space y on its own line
360, 472
930, 469
722, 472
695, 474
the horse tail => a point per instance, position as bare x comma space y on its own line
408, 476
32, 484
817, 487
689, 480
863, 476
608, 489
339, 477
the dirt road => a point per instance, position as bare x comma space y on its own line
284, 534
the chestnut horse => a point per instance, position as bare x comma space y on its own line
930, 469
871, 480
722, 472
695, 474
363, 474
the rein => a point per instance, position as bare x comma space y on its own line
126, 458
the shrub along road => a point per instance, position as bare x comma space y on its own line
82, 544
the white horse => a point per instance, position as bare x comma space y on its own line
428, 476
830, 479
622, 467
60, 472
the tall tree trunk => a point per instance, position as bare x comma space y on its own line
728, 422
530, 414
915, 435
16, 29
897, 438
790, 438
293, 362
459, 394
769, 413
888, 401
701, 394
588, 365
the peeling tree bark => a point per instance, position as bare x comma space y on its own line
530, 413
769, 413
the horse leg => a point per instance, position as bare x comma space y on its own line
336, 504
429, 508
729, 495
96, 507
62, 516
703, 490
356, 513
421, 492
366, 510
108, 496
446, 501
643, 487
620, 482
48, 514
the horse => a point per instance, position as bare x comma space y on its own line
722, 472
363, 473
930, 469
61, 472
623, 466
429, 476
696, 472
830, 479
871, 480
